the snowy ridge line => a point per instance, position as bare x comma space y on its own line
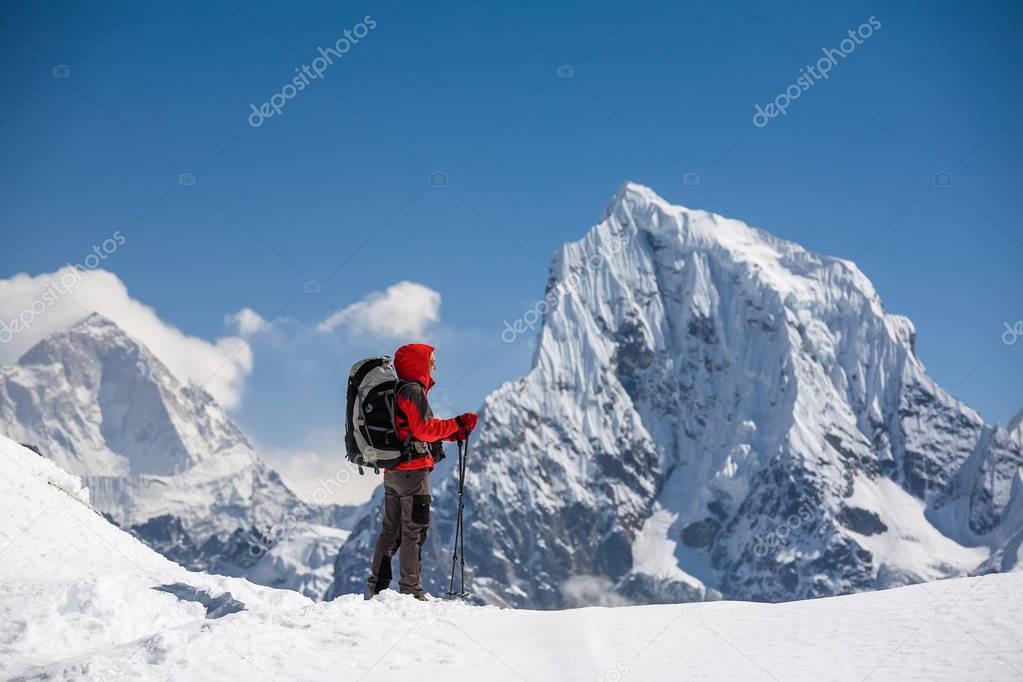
74, 497
45, 470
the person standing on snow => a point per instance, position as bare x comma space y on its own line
406, 516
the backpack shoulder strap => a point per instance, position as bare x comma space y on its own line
417, 394
403, 384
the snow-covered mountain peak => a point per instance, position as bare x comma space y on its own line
163, 458
94, 334
101, 402
632, 194
98, 324
758, 256
711, 403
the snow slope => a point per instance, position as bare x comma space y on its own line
71, 582
77, 602
713, 409
162, 458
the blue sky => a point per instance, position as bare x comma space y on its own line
337, 188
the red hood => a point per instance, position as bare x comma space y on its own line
412, 363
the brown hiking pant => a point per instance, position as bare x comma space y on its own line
406, 519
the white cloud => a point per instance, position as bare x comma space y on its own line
404, 310
246, 322
45, 303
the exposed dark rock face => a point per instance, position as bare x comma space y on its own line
701, 533
217, 606
861, 521
231, 555
168, 536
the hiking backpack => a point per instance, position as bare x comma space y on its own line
371, 439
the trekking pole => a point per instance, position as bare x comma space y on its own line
458, 523
461, 520
458, 553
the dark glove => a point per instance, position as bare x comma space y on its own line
467, 422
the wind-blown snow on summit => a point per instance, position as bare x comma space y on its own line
714, 409
162, 458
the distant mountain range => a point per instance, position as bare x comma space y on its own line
163, 460
713, 410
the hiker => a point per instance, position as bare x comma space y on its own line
406, 515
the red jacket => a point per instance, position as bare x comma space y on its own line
412, 363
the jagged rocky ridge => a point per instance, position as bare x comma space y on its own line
712, 409
163, 460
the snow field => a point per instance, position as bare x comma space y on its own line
76, 602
